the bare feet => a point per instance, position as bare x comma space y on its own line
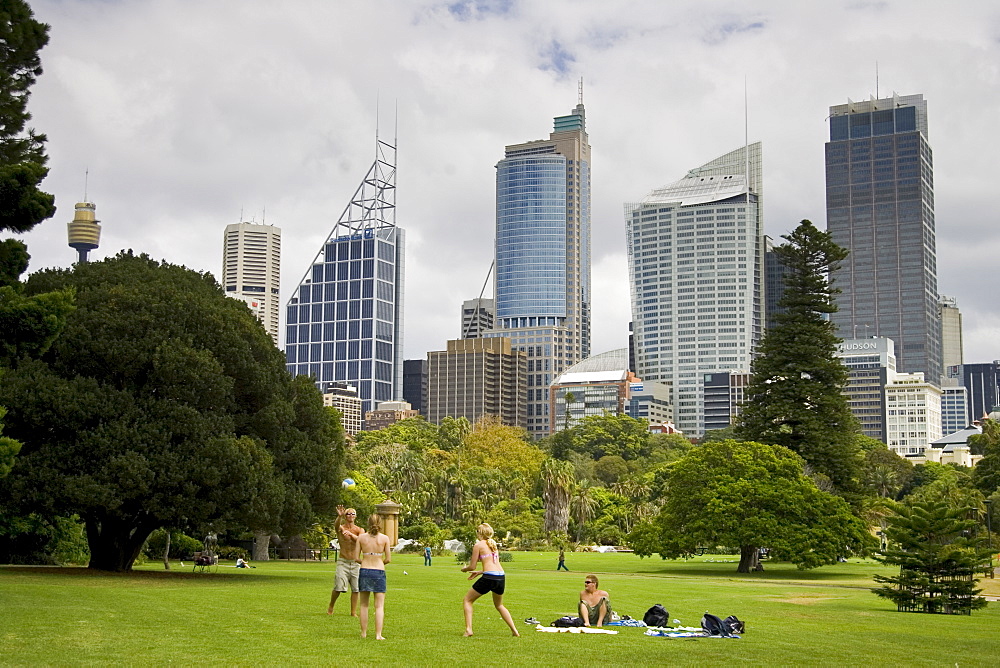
329, 610
379, 637
516, 634
467, 634
364, 635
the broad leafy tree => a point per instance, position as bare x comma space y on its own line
987, 474
163, 404
795, 396
935, 546
749, 495
22, 151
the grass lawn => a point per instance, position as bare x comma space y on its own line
276, 614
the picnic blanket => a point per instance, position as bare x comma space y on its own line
574, 629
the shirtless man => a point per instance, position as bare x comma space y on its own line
347, 568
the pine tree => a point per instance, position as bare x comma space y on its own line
795, 396
938, 556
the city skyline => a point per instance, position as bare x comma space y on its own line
187, 115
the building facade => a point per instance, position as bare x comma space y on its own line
251, 270
983, 384
415, 383
542, 282
871, 366
913, 414
951, 334
880, 206
345, 399
474, 378
478, 316
695, 253
954, 409
388, 413
344, 321
774, 284
723, 395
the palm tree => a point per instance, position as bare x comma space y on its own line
583, 506
557, 477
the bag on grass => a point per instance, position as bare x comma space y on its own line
733, 624
656, 616
714, 626
567, 622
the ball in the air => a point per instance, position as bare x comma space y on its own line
348, 483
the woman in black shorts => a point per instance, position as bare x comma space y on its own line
491, 578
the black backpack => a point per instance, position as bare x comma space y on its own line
714, 626
566, 622
733, 624
656, 616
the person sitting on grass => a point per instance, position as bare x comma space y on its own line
595, 604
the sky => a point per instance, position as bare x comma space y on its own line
190, 115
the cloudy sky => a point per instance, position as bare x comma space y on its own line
189, 114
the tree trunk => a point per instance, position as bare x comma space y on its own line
166, 553
261, 539
115, 542
749, 559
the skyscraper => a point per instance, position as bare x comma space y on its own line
251, 270
477, 317
475, 378
344, 320
542, 284
695, 252
951, 335
880, 206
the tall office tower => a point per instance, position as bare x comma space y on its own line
477, 317
724, 393
415, 383
951, 335
954, 409
84, 230
542, 284
871, 366
983, 383
345, 319
695, 252
475, 378
880, 206
251, 270
913, 414
774, 284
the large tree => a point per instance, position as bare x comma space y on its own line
987, 472
22, 151
795, 397
163, 403
749, 495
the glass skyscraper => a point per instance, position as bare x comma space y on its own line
880, 206
344, 320
542, 289
695, 252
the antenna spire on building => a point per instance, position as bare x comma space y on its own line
581, 90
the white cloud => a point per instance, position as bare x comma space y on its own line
187, 113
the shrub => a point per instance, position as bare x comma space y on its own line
181, 546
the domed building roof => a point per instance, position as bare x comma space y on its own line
612, 365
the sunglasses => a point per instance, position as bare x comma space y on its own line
588, 582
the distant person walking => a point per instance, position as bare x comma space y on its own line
373, 556
562, 560
427, 555
491, 578
346, 576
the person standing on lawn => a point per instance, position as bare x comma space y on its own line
427, 555
562, 560
492, 578
374, 555
346, 575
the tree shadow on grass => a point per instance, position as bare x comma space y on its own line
164, 576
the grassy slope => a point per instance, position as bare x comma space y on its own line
276, 614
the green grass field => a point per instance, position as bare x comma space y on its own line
276, 614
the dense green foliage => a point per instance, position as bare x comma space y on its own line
749, 495
795, 395
938, 553
988, 468
22, 152
164, 404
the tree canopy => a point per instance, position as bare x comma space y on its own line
22, 152
163, 403
748, 495
795, 395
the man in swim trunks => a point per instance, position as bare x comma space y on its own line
346, 576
